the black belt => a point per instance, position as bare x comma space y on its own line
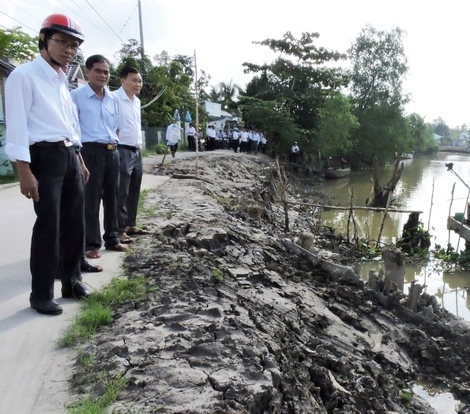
100, 145
128, 147
57, 144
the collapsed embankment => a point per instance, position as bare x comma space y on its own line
236, 323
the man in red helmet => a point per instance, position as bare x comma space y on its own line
43, 139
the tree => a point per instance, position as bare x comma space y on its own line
228, 95
297, 83
335, 126
379, 66
130, 54
269, 116
17, 45
424, 142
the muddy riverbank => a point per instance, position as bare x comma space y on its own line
234, 322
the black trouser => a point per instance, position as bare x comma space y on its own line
103, 164
191, 143
130, 180
173, 149
58, 233
235, 144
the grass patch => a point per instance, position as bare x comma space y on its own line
148, 210
98, 308
112, 387
8, 179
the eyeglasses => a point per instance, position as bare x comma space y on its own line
73, 47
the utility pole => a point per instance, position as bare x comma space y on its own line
142, 53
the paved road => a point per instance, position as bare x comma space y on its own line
33, 372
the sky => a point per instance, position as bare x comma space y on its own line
221, 35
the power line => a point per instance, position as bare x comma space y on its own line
26, 11
22, 24
127, 21
99, 15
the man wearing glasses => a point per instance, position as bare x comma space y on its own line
43, 137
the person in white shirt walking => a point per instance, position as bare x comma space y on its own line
130, 154
173, 136
43, 139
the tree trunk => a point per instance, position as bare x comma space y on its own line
382, 194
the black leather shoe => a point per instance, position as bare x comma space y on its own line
75, 291
47, 307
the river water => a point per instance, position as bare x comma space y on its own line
426, 185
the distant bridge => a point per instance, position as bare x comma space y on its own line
451, 148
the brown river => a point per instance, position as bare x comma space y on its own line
428, 186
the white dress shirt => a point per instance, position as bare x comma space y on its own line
131, 126
38, 108
99, 118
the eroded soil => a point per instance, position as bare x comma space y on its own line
235, 323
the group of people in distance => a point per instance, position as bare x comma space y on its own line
72, 151
246, 140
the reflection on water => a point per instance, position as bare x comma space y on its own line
425, 186
442, 402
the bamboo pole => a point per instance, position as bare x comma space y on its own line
383, 220
450, 208
432, 202
197, 111
326, 207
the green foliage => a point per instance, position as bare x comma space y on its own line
112, 387
8, 179
99, 306
423, 138
335, 126
161, 149
274, 120
295, 86
170, 80
379, 67
415, 242
218, 274
406, 396
451, 256
17, 45
383, 132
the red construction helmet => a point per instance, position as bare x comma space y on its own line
64, 24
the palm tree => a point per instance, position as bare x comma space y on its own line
214, 94
228, 94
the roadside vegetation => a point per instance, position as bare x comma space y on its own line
335, 104
98, 308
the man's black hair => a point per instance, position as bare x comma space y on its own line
95, 59
126, 70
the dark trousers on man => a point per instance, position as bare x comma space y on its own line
102, 161
130, 180
191, 143
58, 233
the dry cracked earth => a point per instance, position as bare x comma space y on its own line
233, 322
